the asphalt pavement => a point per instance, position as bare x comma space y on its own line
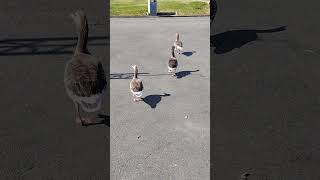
166, 136
265, 90
38, 135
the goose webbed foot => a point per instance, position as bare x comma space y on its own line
86, 122
134, 99
78, 121
89, 121
137, 99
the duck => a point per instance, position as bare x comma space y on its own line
136, 86
178, 44
173, 62
84, 76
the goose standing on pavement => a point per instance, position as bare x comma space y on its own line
178, 44
136, 85
173, 63
84, 77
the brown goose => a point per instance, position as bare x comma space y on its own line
84, 77
178, 44
173, 63
136, 85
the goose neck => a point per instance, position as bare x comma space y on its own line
172, 52
135, 73
82, 36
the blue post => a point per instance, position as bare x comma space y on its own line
152, 7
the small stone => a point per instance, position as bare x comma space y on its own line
186, 117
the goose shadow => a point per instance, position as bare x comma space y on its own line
124, 75
105, 120
154, 99
189, 53
229, 40
44, 46
182, 74
130, 75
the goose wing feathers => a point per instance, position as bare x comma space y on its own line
84, 76
178, 43
136, 85
173, 63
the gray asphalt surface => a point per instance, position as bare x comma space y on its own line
265, 98
38, 136
165, 137
266, 93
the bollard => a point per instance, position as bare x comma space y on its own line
152, 7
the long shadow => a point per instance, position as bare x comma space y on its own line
105, 120
182, 74
130, 75
124, 75
229, 40
43, 46
188, 53
153, 100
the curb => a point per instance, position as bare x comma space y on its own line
157, 16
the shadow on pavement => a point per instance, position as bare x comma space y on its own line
229, 40
124, 75
130, 75
43, 46
105, 121
182, 74
153, 100
189, 53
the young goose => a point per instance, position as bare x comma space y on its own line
84, 77
136, 85
173, 62
178, 44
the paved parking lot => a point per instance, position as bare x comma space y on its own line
167, 136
